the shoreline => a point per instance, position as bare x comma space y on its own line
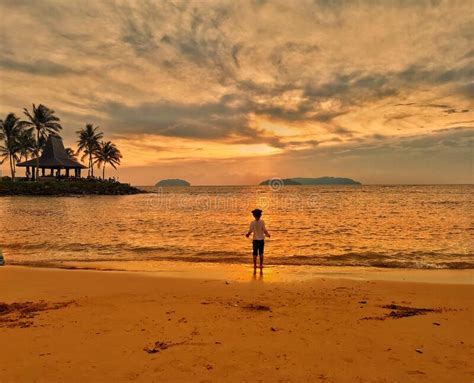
71, 325
66, 188
272, 273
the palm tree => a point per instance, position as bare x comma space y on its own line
10, 130
107, 153
45, 122
88, 142
26, 144
71, 153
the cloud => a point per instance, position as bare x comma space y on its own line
37, 67
270, 75
139, 36
210, 121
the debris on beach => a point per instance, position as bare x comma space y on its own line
419, 351
398, 312
156, 347
20, 314
405, 311
257, 307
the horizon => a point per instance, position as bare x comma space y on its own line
327, 185
232, 93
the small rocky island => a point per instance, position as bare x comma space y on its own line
312, 181
172, 182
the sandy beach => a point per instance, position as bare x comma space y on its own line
96, 326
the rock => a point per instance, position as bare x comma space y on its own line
156, 347
257, 307
419, 351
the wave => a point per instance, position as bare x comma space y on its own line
40, 253
346, 260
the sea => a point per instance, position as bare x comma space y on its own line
414, 227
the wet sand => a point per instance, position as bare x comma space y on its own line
96, 326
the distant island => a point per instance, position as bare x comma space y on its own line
280, 181
314, 181
326, 181
173, 182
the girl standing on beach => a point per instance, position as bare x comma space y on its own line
257, 227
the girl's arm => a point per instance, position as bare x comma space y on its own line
250, 231
266, 231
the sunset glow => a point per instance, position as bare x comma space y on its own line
225, 92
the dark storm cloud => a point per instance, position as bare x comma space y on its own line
140, 36
202, 121
468, 55
193, 34
210, 121
452, 110
283, 56
235, 54
466, 90
383, 3
459, 139
139, 25
37, 67
442, 106
421, 74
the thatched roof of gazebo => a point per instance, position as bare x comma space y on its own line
54, 156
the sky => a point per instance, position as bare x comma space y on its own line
235, 92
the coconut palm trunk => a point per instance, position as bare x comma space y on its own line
103, 172
37, 154
12, 167
91, 165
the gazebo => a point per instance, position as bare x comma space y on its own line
54, 158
